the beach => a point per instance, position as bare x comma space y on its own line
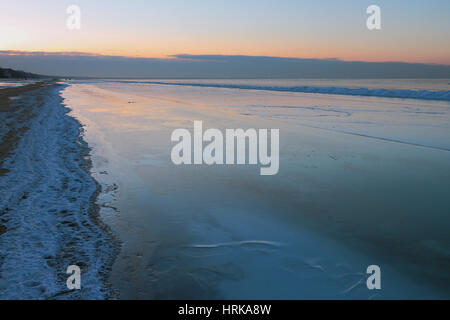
87, 179
12, 129
48, 216
220, 159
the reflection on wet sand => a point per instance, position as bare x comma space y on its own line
348, 194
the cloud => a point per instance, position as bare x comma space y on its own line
79, 64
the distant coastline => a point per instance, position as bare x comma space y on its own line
6, 73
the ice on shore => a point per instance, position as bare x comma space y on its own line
45, 206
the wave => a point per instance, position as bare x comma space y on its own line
385, 93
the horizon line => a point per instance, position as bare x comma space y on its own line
188, 56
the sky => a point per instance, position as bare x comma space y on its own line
415, 31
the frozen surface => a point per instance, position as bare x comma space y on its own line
362, 181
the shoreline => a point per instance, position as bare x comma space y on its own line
94, 213
50, 218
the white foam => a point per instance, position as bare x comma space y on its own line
386, 93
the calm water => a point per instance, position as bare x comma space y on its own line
391, 84
362, 181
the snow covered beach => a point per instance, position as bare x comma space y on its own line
48, 217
